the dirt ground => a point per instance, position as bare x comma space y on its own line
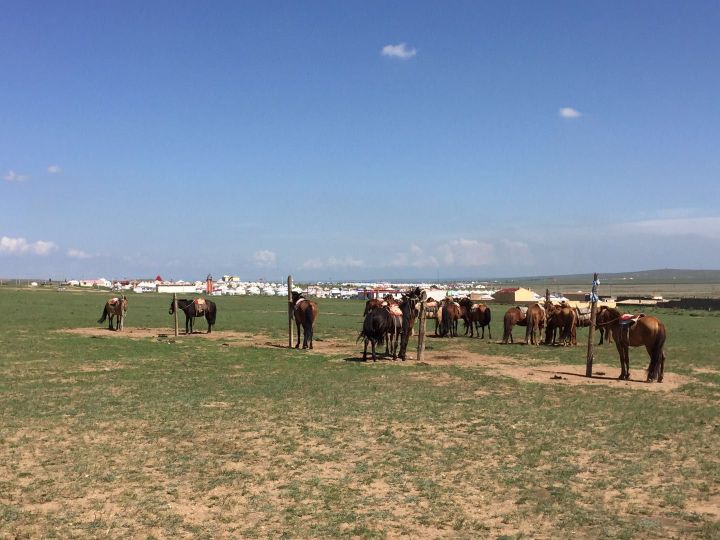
566, 374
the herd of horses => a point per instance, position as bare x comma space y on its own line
390, 322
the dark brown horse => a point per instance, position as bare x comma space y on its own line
115, 308
381, 324
478, 316
410, 307
513, 316
197, 307
602, 317
634, 332
372, 304
305, 313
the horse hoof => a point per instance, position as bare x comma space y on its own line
297, 346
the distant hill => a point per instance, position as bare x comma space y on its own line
665, 275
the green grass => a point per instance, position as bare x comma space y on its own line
104, 436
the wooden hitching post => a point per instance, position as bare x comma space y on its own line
591, 332
175, 308
290, 312
421, 333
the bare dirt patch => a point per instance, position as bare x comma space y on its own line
563, 374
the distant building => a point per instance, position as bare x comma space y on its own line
515, 295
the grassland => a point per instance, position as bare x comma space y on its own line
151, 436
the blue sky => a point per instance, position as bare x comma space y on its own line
365, 140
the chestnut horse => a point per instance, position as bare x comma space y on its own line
534, 322
513, 316
198, 307
449, 315
634, 332
305, 313
115, 308
560, 320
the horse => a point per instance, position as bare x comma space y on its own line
410, 307
372, 304
478, 317
197, 307
535, 321
450, 314
115, 308
560, 319
629, 332
603, 316
305, 313
380, 325
513, 316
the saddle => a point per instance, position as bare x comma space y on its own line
394, 310
523, 310
583, 314
627, 322
113, 301
200, 305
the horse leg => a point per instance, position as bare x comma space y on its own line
208, 321
365, 350
372, 342
662, 367
297, 324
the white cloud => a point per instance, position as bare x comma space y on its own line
265, 258
333, 262
77, 254
12, 176
569, 112
464, 252
400, 50
54, 169
20, 246
415, 257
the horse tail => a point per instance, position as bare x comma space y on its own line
446, 322
529, 330
104, 315
507, 327
308, 320
657, 354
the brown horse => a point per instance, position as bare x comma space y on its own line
478, 316
634, 332
115, 308
534, 322
449, 315
560, 320
602, 317
513, 316
305, 313
410, 307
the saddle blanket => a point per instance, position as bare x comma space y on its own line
395, 310
113, 301
629, 319
199, 302
523, 309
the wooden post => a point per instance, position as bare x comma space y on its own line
591, 332
421, 332
290, 312
175, 310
